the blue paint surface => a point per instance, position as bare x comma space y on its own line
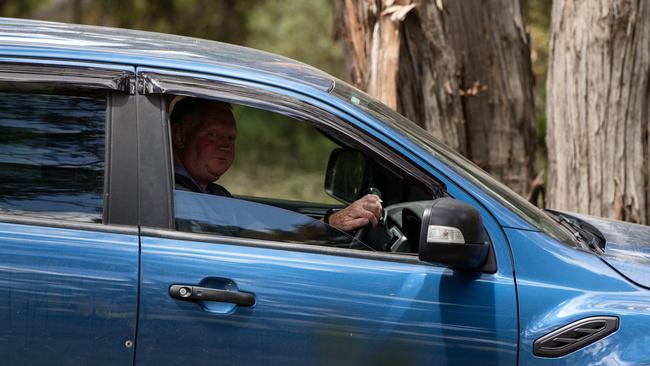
69, 297
557, 285
315, 309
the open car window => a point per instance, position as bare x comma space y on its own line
278, 157
281, 185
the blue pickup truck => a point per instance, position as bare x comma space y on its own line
104, 262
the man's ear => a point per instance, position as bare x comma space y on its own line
178, 136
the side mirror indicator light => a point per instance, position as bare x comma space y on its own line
444, 234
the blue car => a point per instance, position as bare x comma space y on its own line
103, 261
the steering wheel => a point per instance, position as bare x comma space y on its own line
369, 236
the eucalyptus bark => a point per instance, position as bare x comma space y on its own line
412, 72
460, 69
598, 108
492, 48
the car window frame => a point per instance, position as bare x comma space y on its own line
155, 84
120, 210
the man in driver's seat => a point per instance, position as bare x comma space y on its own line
203, 139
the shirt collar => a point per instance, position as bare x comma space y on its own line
180, 169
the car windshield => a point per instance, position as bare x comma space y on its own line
454, 160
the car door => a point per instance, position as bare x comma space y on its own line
227, 298
68, 257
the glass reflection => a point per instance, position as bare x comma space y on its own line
203, 213
52, 155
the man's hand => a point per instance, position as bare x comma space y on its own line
359, 213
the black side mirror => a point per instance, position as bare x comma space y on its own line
452, 234
347, 174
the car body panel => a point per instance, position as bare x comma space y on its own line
627, 247
69, 296
557, 284
314, 308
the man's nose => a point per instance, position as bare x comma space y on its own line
225, 143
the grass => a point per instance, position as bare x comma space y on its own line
277, 182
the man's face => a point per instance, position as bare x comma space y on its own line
209, 149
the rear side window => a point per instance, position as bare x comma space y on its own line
52, 149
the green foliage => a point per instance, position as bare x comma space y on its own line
302, 30
276, 182
278, 157
218, 20
537, 15
17, 9
280, 141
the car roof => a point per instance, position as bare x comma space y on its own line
73, 41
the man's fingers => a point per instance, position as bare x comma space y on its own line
371, 218
356, 219
375, 211
372, 197
372, 203
375, 208
355, 223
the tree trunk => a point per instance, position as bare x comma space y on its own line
460, 69
496, 76
598, 108
379, 53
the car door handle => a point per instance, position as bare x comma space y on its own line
196, 293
